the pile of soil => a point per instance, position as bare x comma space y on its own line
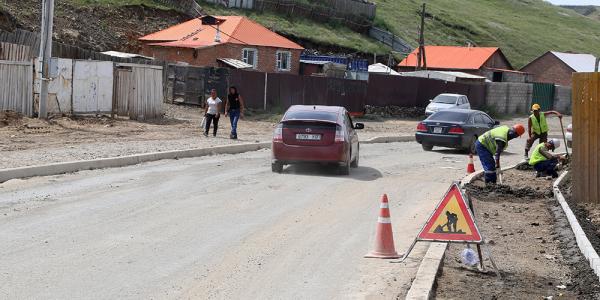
530, 240
588, 214
94, 27
395, 111
9, 118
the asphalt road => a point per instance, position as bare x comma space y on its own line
220, 227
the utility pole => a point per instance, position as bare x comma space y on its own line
421, 53
46, 54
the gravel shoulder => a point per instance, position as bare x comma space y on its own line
529, 239
28, 142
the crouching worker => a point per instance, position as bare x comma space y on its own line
543, 161
490, 146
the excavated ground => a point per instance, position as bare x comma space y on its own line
530, 240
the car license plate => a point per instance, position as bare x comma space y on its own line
437, 129
308, 137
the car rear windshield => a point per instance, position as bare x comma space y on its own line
445, 99
448, 116
311, 115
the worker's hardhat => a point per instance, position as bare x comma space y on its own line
519, 129
536, 107
555, 143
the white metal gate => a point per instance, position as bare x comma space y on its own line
92, 86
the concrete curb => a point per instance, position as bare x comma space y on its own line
423, 286
115, 162
583, 242
389, 139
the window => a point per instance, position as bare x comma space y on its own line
284, 61
250, 56
488, 120
479, 119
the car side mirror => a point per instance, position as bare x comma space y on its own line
359, 126
496, 122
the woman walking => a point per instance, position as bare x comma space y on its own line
212, 112
235, 108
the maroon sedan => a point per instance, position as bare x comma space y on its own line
316, 134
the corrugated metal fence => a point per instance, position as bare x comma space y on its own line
192, 85
16, 87
139, 91
586, 137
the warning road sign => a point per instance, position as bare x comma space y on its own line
451, 220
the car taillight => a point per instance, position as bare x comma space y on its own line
421, 127
456, 130
278, 133
339, 134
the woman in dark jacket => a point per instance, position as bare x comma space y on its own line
234, 107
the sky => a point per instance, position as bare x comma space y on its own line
575, 2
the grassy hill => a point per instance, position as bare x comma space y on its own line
524, 29
589, 11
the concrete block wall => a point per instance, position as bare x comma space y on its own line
509, 97
562, 99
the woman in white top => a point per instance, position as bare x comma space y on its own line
212, 113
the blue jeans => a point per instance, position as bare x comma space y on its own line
487, 161
234, 117
547, 167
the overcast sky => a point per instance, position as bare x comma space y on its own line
575, 2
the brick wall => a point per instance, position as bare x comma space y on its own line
562, 99
509, 97
515, 98
549, 69
207, 57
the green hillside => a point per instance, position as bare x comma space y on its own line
524, 29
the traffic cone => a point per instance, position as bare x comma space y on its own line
470, 166
384, 237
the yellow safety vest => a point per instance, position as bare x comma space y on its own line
541, 126
488, 139
537, 156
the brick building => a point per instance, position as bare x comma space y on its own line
481, 61
558, 67
237, 38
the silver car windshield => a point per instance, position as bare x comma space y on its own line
445, 99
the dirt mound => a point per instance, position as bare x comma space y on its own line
395, 111
9, 118
502, 192
95, 27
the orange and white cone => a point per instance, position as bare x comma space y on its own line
471, 165
384, 237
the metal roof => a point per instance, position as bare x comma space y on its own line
125, 55
452, 57
235, 29
238, 64
380, 68
577, 62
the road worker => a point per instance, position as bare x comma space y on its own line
543, 161
537, 126
491, 144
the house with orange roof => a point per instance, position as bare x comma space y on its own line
236, 39
489, 62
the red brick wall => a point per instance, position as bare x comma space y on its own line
497, 61
549, 69
267, 56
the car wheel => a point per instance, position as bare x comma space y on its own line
354, 163
427, 147
277, 167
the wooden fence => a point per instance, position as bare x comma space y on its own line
585, 169
16, 87
139, 91
15, 52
